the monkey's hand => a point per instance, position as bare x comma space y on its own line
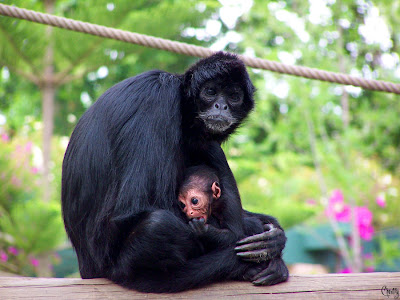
199, 226
261, 247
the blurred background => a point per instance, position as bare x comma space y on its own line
322, 158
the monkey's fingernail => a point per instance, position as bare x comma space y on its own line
239, 248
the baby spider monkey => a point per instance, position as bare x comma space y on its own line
199, 193
199, 197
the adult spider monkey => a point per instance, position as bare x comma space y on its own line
123, 168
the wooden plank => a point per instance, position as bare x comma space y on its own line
328, 286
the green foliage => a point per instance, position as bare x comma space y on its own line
388, 253
78, 57
276, 185
298, 124
18, 99
34, 226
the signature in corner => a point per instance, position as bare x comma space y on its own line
390, 292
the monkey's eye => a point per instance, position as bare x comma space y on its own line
211, 92
195, 201
181, 205
234, 96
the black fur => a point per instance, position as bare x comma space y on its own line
121, 174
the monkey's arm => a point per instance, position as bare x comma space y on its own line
232, 212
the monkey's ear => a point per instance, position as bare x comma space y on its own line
216, 190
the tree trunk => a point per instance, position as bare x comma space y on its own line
48, 89
48, 93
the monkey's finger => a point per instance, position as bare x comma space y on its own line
194, 228
267, 280
251, 246
270, 277
271, 250
195, 225
266, 235
268, 244
254, 256
261, 275
257, 255
198, 226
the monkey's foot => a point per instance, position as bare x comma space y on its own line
276, 272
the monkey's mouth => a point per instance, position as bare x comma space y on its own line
218, 123
201, 218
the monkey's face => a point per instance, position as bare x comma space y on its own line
196, 204
220, 104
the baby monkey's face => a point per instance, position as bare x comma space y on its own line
196, 204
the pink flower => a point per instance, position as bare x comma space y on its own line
366, 232
34, 170
3, 256
381, 201
346, 270
13, 251
5, 137
34, 262
364, 215
343, 215
337, 196
364, 223
337, 208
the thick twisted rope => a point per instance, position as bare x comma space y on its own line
183, 48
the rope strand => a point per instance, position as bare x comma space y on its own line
192, 50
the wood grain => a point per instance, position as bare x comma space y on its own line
328, 286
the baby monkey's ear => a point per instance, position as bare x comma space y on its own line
216, 190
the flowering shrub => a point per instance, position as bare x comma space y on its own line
341, 212
19, 178
29, 228
338, 208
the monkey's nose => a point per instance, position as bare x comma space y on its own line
221, 106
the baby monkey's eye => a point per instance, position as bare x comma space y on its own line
195, 201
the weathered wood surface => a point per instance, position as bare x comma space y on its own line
329, 286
